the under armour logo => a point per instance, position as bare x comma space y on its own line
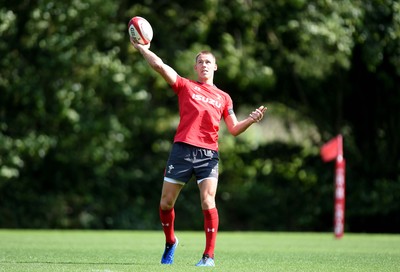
165, 225
170, 168
210, 230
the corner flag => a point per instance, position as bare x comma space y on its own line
331, 150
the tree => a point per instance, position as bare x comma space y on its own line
87, 126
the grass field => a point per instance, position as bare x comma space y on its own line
106, 251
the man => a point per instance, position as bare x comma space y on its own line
195, 150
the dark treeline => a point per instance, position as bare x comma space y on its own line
86, 126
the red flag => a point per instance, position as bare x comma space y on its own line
333, 148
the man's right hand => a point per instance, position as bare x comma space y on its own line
139, 46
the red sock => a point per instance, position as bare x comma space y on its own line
211, 221
167, 221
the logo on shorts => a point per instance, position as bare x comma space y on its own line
170, 168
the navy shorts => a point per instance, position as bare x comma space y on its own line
186, 160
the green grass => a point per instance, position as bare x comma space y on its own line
101, 251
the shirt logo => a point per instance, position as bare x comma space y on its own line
207, 100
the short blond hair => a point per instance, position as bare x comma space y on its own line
205, 52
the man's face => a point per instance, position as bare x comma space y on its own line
205, 66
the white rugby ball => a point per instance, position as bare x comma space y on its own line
140, 30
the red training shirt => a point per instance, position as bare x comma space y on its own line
201, 108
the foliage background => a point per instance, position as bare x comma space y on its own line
86, 126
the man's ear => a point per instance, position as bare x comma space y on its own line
215, 67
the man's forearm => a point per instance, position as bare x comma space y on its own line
152, 59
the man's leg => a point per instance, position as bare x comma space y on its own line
208, 189
169, 195
170, 192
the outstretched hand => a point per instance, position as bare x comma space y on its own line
138, 46
258, 114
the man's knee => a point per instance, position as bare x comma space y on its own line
166, 204
208, 201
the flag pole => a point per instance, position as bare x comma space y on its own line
340, 167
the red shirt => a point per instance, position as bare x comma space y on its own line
201, 108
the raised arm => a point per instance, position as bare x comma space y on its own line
155, 62
236, 127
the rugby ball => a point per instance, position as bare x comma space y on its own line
140, 30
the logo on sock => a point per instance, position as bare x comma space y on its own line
210, 230
165, 225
